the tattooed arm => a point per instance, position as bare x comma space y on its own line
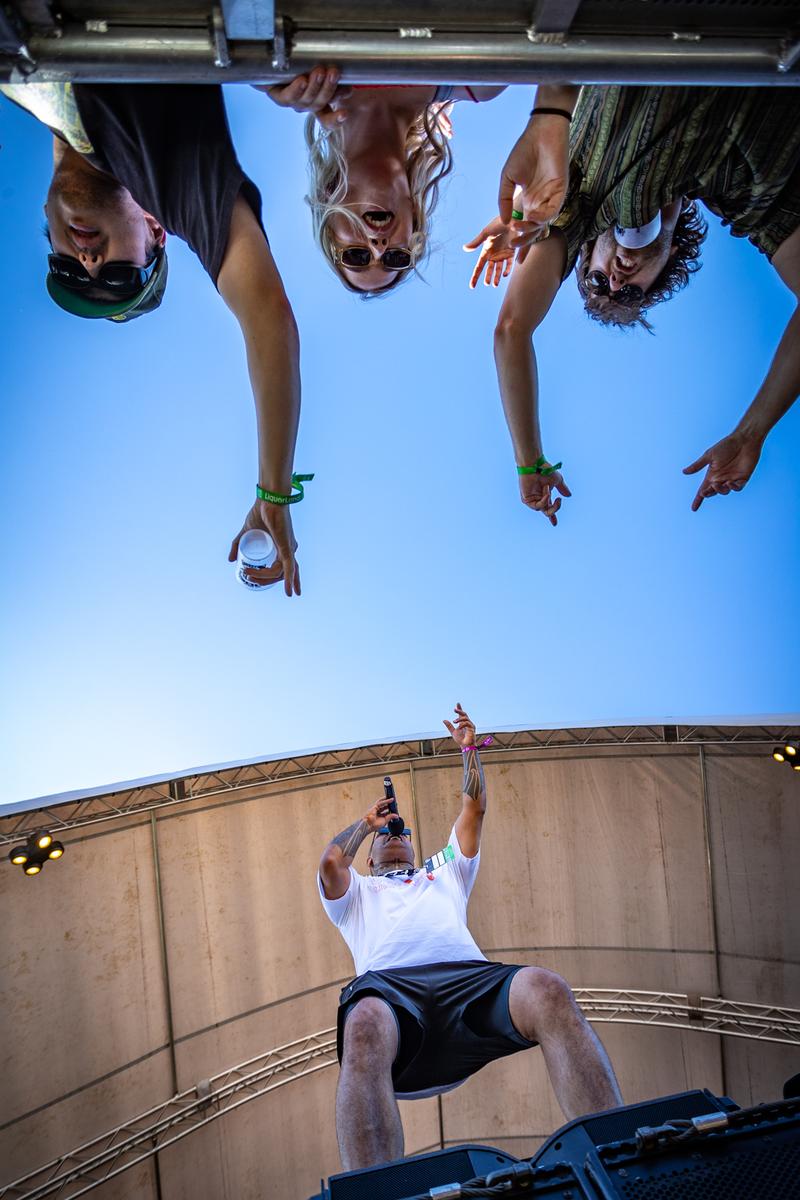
473, 788
334, 867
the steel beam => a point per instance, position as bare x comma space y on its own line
76, 811
407, 55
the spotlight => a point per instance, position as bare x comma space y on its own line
778, 754
37, 850
796, 766
789, 750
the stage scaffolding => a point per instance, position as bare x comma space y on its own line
77, 810
379, 41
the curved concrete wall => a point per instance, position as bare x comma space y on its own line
659, 868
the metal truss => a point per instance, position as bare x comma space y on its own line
118, 1149
422, 41
760, 1022
91, 809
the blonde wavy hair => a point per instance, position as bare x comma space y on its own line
428, 160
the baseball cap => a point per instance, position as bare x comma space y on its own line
81, 305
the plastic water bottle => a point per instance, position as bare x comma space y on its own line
516, 203
256, 549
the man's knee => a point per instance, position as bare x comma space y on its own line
543, 997
370, 1033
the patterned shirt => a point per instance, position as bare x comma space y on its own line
634, 150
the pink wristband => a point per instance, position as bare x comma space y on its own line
487, 741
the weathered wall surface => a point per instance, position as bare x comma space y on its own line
664, 868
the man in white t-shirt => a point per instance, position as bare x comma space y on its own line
427, 1009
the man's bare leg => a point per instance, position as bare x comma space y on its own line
543, 1009
368, 1123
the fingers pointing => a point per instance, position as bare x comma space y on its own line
702, 461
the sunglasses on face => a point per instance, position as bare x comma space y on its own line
387, 832
359, 258
122, 278
629, 293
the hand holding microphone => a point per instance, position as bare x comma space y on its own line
395, 824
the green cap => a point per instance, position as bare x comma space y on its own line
81, 305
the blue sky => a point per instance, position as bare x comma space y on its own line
128, 464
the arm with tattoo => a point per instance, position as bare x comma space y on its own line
350, 839
470, 820
474, 785
334, 867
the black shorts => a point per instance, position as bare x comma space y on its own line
452, 1019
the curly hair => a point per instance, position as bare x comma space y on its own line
428, 160
687, 238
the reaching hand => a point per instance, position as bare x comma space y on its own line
276, 520
539, 164
496, 254
536, 492
318, 93
730, 464
463, 732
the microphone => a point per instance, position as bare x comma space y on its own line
395, 824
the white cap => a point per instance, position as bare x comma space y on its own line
640, 235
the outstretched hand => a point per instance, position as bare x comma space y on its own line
539, 164
318, 93
276, 520
729, 463
536, 491
463, 732
496, 256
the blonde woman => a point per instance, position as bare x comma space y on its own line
376, 158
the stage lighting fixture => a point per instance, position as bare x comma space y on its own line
789, 750
37, 850
778, 754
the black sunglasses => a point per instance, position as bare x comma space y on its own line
629, 293
122, 278
406, 831
359, 258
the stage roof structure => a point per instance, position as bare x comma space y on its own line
379, 41
170, 985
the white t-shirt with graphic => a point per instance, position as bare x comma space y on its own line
402, 921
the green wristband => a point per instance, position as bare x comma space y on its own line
277, 498
539, 467
516, 214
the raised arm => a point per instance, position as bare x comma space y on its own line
250, 285
731, 462
530, 294
334, 866
473, 798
